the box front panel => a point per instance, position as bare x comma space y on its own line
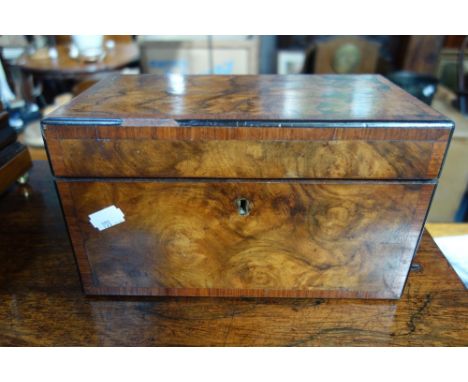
269, 238
247, 159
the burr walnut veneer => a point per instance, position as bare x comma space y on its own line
280, 186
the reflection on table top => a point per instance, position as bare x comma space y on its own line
40, 63
41, 302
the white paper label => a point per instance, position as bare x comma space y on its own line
106, 218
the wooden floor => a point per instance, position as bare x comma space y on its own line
447, 229
452, 239
37, 153
41, 302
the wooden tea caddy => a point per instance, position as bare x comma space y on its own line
278, 186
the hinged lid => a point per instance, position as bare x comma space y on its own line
265, 100
277, 127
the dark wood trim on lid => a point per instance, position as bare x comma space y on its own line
73, 121
312, 123
64, 121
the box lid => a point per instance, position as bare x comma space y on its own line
174, 100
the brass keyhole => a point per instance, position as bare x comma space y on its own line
243, 206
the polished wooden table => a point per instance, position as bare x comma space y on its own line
64, 67
41, 302
40, 67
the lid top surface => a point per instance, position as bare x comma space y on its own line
354, 98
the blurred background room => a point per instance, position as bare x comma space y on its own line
39, 73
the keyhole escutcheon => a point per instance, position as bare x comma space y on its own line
243, 206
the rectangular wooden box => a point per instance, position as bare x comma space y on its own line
282, 186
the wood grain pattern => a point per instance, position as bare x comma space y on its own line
151, 140
263, 138
264, 97
349, 159
315, 239
42, 304
269, 133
